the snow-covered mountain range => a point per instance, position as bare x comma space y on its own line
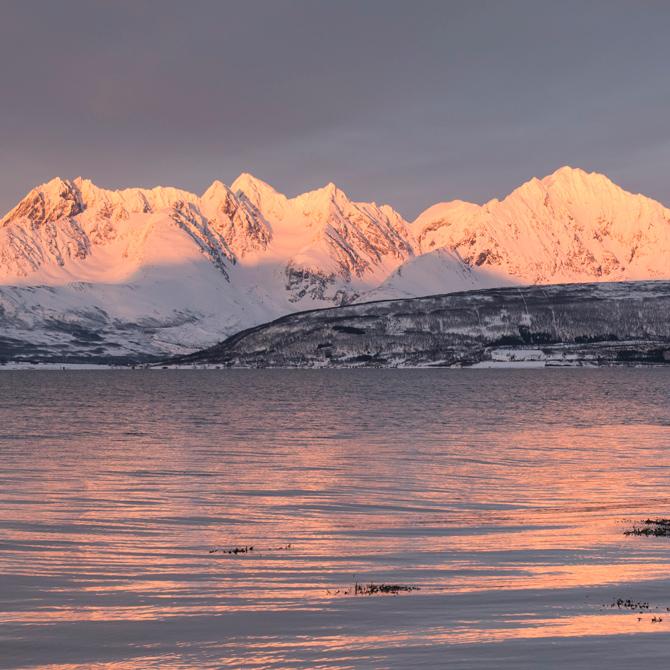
89, 272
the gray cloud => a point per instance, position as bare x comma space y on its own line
404, 102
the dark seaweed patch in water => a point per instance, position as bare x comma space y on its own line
651, 527
372, 589
382, 589
247, 549
234, 550
629, 604
639, 607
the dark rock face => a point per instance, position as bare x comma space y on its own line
568, 324
301, 282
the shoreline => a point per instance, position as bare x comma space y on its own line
482, 365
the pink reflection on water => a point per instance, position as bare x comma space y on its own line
106, 528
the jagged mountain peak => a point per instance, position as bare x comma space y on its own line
569, 183
261, 195
52, 200
332, 191
59, 198
253, 187
567, 174
259, 191
56, 186
323, 199
217, 190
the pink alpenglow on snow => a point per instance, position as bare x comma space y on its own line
197, 268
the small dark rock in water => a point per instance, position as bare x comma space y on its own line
655, 527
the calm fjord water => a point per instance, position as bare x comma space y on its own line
502, 494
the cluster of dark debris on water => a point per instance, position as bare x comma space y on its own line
246, 549
637, 607
629, 604
651, 527
373, 589
357, 589
234, 551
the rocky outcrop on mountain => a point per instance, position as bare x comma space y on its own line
238, 222
570, 324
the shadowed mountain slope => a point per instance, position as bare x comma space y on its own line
607, 323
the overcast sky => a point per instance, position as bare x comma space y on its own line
408, 103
